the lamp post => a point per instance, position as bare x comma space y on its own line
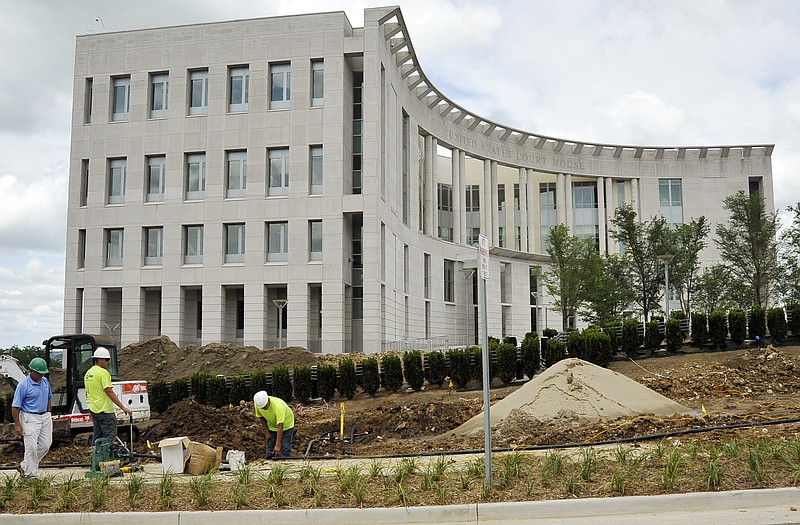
666, 258
467, 273
280, 303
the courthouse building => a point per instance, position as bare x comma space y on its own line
219, 171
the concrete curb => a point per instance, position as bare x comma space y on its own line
744, 506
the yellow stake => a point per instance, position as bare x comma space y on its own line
341, 422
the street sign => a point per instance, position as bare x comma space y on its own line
483, 257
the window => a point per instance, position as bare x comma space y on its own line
153, 245
406, 177
449, 281
315, 240
198, 92
116, 181
84, 182
193, 245
406, 269
358, 81
236, 176
159, 89
516, 197
280, 83
317, 83
315, 164
547, 212
234, 243
671, 200
155, 179
426, 279
445, 207
87, 101
238, 89
195, 176
473, 198
114, 240
277, 241
584, 211
120, 103
278, 172
81, 248
501, 197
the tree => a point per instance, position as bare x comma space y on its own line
610, 293
790, 257
574, 262
689, 240
749, 245
643, 242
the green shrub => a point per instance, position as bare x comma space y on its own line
507, 363
412, 369
259, 382
674, 334
630, 337
597, 346
776, 323
370, 376
391, 372
239, 390
549, 333
612, 329
3, 410
301, 383
793, 309
7, 415
737, 324
699, 328
159, 396
281, 383
179, 389
493, 343
435, 368
199, 386
460, 369
347, 378
576, 345
326, 381
652, 335
554, 352
718, 329
757, 328
476, 364
530, 354
217, 391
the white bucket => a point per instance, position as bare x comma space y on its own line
235, 460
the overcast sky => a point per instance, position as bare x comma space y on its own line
672, 72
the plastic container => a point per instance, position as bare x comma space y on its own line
235, 460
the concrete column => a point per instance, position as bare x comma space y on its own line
93, 310
254, 299
495, 216
132, 329
533, 220
434, 193
296, 314
458, 198
430, 188
171, 313
601, 214
462, 171
561, 205
213, 313
523, 210
486, 204
568, 202
612, 246
333, 317
635, 198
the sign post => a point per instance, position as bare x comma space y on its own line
483, 268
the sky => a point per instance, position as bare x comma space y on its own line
660, 72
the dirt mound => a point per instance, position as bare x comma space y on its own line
575, 391
160, 359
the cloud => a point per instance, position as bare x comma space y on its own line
641, 118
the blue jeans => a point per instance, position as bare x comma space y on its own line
286, 443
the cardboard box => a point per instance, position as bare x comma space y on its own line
202, 458
174, 453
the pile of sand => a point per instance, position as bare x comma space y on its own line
575, 391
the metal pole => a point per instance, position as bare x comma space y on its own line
666, 289
487, 420
280, 327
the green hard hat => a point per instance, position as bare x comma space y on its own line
38, 365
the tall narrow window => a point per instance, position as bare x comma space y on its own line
406, 180
193, 244
198, 92
195, 176
81, 248
358, 84
236, 174
317, 83
426, 278
87, 101
315, 240
449, 281
155, 179
547, 212
406, 269
234, 243
472, 204
120, 103
278, 172
280, 86
277, 241
670, 199
238, 89
114, 238
315, 165
445, 208
584, 211
84, 182
116, 181
153, 245
159, 89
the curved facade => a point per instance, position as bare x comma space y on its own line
218, 170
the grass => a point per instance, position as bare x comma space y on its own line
661, 468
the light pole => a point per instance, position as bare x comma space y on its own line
666, 258
467, 273
280, 303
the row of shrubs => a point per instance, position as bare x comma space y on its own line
5, 408
387, 371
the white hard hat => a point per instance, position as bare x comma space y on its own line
260, 399
101, 353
